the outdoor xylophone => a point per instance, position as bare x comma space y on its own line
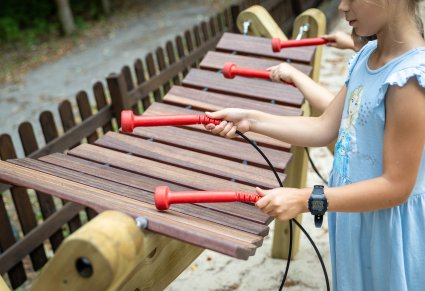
121, 170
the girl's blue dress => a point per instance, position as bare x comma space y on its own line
379, 250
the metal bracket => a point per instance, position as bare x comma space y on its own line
246, 25
303, 29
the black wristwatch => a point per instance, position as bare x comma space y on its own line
318, 204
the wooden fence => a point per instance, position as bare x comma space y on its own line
34, 223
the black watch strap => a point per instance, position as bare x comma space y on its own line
318, 220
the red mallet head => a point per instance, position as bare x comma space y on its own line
161, 197
276, 44
127, 121
228, 70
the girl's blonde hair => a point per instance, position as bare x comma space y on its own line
413, 9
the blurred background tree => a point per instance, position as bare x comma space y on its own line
28, 20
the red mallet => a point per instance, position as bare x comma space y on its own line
164, 197
230, 70
129, 121
278, 44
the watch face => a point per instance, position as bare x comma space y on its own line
318, 204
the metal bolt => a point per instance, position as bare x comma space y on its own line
141, 222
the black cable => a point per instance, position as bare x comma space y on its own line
281, 185
314, 166
290, 221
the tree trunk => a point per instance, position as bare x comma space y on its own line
106, 5
65, 16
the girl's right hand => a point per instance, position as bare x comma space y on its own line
340, 40
233, 119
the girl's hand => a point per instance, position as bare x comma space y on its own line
283, 203
340, 40
233, 119
282, 72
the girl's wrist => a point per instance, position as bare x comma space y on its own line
305, 194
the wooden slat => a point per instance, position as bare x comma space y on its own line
157, 170
148, 183
182, 227
190, 160
210, 101
259, 46
121, 189
216, 60
214, 145
262, 140
254, 88
50, 133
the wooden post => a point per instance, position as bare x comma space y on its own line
112, 253
261, 23
3, 286
297, 170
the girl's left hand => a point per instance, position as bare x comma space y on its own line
283, 203
282, 73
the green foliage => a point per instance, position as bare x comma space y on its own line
29, 20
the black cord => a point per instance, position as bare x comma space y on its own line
314, 166
290, 221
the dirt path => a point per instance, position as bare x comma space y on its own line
43, 88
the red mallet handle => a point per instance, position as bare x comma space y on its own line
230, 70
129, 121
278, 44
164, 197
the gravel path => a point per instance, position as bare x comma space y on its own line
43, 88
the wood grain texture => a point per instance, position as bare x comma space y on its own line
208, 235
259, 46
253, 88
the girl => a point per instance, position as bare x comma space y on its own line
376, 197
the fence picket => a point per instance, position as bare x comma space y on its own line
46, 202
101, 102
16, 274
23, 206
141, 78
150, 63
171, 54
162, 66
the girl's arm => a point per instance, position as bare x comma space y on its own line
303, 131
404, 142
341, 40
318, 96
